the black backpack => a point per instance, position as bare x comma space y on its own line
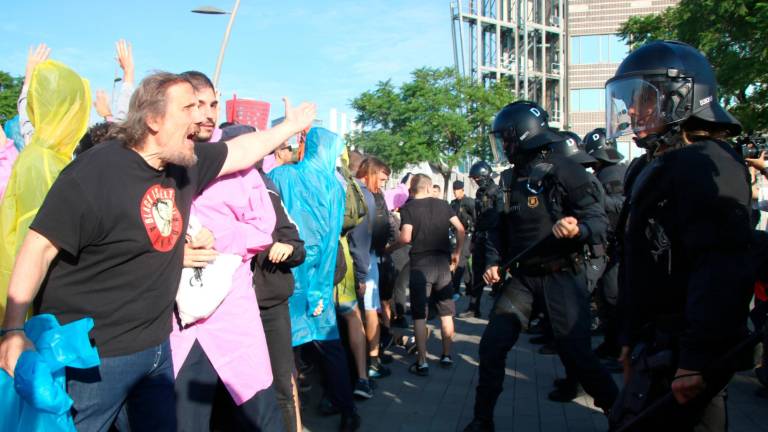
380, 232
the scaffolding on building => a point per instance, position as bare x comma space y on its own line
520, 41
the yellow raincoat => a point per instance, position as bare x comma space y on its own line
58, 104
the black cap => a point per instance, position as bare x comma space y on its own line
458, 184
234, 131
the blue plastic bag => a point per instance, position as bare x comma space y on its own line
36, 398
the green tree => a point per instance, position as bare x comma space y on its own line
733, 35
10, 88
437, 117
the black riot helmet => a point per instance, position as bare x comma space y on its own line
601, 149
520, 127
481, 172
575, 137
568, 146
660, 86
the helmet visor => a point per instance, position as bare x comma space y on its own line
497, 147
632, 105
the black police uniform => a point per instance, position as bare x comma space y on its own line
686, 277
488, 202
531, 207
596, 249
611, 176
465, 211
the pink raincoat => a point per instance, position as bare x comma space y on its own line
238, 211
8, 155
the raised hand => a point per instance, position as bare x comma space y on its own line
125, 59
102, 104
301, 116
34, 58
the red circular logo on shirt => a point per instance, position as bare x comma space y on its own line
161, 218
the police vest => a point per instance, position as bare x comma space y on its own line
527, 216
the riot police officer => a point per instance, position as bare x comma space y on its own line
687, 280
572, 148
550, 207
486, 204
610, 171
464, 207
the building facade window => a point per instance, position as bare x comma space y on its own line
587, 100
594, 49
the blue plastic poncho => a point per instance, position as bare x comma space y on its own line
36, 399
314, 198
13, 131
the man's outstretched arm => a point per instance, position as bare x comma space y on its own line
245, 150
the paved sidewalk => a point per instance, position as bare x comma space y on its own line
443, 401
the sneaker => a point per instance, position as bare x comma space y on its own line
377, 370
419, 369
478, 425
363, 389
469, 313
410, 345
534, 327
385, 358
349, 423
547, 349
445, 361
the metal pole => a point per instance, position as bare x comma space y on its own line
224, 45
453, 36
461, 39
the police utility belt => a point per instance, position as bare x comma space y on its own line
573, 262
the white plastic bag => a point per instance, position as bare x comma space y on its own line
202, 290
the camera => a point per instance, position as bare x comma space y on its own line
751, 145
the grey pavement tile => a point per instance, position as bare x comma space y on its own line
444, 401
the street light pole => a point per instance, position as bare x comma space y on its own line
224, 45
216, 11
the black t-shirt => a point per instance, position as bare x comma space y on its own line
120, 224
430, 218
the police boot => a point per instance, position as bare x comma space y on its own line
478, 425
565, 392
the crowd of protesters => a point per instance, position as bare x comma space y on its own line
316, 263
314, 257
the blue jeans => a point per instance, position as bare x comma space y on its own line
141, 382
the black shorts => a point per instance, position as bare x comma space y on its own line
387, 277
431, 280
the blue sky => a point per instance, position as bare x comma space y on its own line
326, 51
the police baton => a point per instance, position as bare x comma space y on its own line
723, 362
515, 261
